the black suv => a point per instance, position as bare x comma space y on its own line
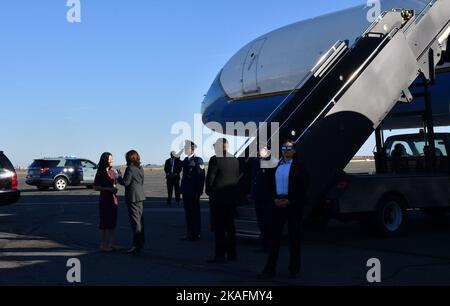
9, 193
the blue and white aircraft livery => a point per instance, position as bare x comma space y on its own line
262, 74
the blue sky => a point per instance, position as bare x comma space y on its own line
119, 79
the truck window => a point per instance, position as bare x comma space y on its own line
440, 147
439, 144
405, 144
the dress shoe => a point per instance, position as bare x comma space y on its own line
294, 275
232, 258
106, 250
266, 275
186, 238
216, 260
133, 250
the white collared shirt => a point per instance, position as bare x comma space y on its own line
282, 177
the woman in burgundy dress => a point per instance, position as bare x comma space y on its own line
105, 182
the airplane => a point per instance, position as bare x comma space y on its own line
260, 76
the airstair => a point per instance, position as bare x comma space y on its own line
346, 96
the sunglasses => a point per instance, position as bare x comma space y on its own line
287, 148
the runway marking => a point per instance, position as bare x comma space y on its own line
77, 203
21, 264
52, 254
75, 222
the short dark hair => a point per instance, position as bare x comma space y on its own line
191, 144
290, 140
221, 141
132, 157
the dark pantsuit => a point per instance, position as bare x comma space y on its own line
173, 183
224, 230
136, 216
293, 217
192, 211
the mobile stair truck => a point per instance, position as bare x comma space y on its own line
346, 98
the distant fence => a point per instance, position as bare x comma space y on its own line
363, 158
160, 168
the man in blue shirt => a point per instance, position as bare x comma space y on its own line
289, 185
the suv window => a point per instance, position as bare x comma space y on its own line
87, 164
72, 163
40, 163
5, 163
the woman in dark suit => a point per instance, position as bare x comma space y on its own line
289, 183
105, 182
133, 180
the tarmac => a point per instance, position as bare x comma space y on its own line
39, 234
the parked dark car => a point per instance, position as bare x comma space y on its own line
61, 172
9, 193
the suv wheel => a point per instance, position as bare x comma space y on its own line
60, 184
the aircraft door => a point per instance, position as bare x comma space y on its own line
250, 70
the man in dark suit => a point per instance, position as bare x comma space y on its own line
172, 168
222, 187
262, 196
192, 184
288, 187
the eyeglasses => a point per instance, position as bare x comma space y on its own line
287, 148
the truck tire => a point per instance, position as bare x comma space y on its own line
390, 217
60, 183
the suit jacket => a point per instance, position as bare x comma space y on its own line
222, 180
298, 184
133, 180
193, 180
176, 168
261, 180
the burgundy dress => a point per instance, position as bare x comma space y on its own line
108, 202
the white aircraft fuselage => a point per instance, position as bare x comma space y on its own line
261, 75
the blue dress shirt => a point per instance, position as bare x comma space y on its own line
282, 177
